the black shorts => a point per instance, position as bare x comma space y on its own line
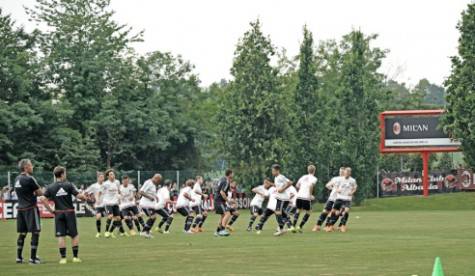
269, 212
28, 221
163, 212
149, 211
340, 204
65, 224
197, 209
232, 210
113, 210
220, 207
304, 204
281, 205
184, 211
130, 211
329, 205
256, 210
102, 211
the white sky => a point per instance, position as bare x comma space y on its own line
420, 34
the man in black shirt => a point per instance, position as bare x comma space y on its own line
62, 192
220, 200
28, 217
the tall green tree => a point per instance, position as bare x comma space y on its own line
307, 113
252, 117
460, 87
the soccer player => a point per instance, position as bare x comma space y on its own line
183, 204
163, 196
28, 216
305, 186
220, 203
62, 192
196, 206
232, 205
111, 199
324, 215
127, 205
270, 209
148, 203
345, 189
261, 192
96, 191
282, 196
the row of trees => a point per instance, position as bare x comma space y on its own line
76, 93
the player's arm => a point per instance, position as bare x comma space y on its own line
36, 187
44, 200
76, 193
256, 191
149, 196
311, 188
285, 187
355, 187
188, 196
330, 185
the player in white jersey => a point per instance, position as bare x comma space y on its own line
163, 195
262, 193
95, 192
148, 202
291, 208
233, 206
271, 207
345, 190
111, 197
128, 208
183, 204
281, 184
324, 215
196, 206
305, 186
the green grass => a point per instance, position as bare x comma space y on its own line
378, 243
436, 202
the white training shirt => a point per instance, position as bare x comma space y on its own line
182, 201
258, 199
163, 195
272, 202
346, 185
127, 196
98, 191
305, 184
150, 189
292, 192
332, 185
196, 195
111, 193
280, 181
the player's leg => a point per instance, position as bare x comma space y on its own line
198, 218
22, 230
344, 219
152, 216
200, 225
139, 222
263, 220
60, 227
286, 211
278, 215
73, 233
109, 223
98, 223
184, 211
33, 219
297, 211
234, 216
119, 217
306, 208
252, 219
323, 216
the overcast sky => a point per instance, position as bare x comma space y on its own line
420, 34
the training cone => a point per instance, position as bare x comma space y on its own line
437, 271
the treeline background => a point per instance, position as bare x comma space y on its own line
74, 92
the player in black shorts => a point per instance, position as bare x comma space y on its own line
233, 207
28, 216
62, 192
220, 200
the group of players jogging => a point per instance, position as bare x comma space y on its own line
122, 203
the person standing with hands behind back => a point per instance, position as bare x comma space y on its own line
62, 192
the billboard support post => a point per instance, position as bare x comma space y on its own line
425, 172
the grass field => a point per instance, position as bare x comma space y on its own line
378, 243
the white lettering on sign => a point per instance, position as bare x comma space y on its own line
415, 128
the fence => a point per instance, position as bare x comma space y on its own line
86, 178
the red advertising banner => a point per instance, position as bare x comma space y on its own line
410, 183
